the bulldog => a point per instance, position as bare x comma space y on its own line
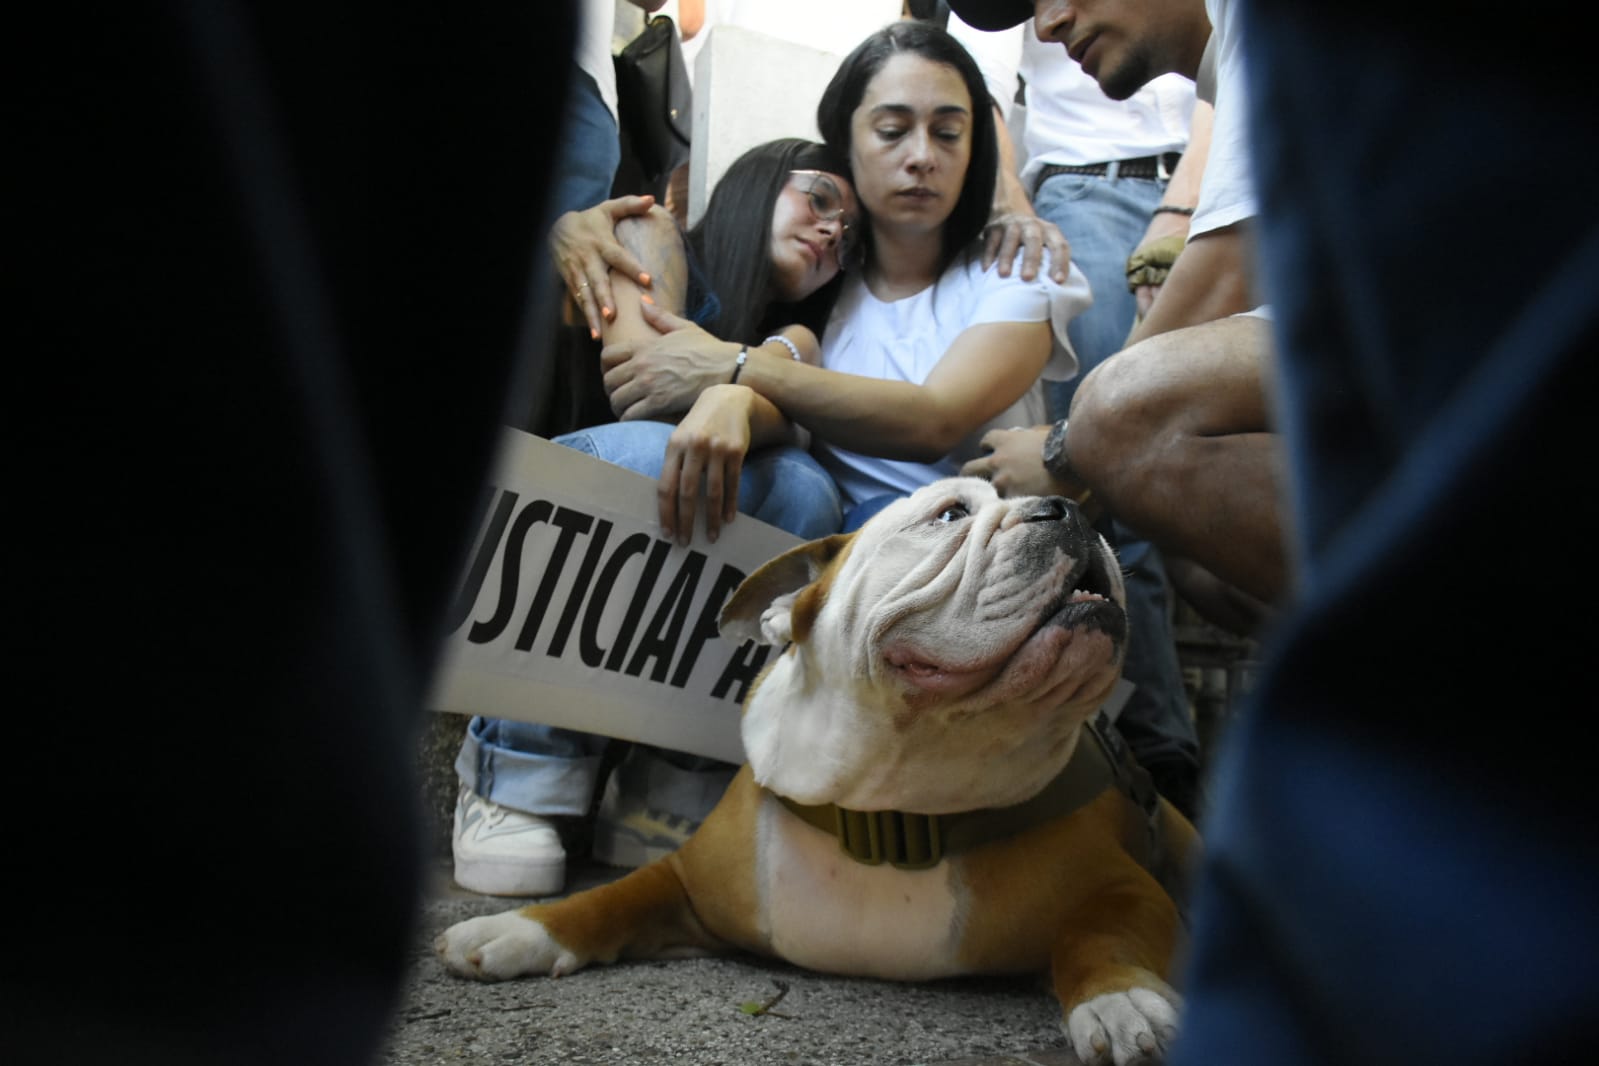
927, 792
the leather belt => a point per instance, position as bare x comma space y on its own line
1149, 166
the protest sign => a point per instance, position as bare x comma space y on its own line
575, 611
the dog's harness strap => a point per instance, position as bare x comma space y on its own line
1135, 781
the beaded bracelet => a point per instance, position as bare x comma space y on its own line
785, 342
738, 365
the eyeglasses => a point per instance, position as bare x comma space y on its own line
827, 205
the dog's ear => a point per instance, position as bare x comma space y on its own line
761, 608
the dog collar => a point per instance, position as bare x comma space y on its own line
918, 841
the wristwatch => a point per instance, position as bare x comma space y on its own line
1055, 453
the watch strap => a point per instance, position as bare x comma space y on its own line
1055, 452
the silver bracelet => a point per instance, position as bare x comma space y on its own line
785, 342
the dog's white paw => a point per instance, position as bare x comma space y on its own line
500, 946
1136, 1026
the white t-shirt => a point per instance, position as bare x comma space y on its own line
1227, 193
592, 51
904, 339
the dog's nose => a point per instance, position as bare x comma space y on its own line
1048, 509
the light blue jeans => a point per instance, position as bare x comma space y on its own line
1104, 219
548, 771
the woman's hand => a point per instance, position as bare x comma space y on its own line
707, 447
1007, 233
586, 250
663, 376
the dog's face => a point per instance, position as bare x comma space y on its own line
942, 658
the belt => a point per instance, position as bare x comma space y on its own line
1149, 166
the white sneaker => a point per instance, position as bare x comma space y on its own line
502, 852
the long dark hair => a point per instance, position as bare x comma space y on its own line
848, 87
732, 241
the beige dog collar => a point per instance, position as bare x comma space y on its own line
918, 841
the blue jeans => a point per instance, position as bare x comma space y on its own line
856, 516
545, 770
591, 149
1104, 218
1400, 861
782, 486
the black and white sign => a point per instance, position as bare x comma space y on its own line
575, 611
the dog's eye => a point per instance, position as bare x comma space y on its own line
953, 513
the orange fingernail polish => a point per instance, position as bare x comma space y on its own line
643, 279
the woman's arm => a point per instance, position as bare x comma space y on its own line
655, 241
586, 251
726, 422
985, 370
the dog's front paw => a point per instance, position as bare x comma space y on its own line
500, 946
1135, 1026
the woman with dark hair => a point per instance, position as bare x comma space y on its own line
836, 111
740, 271
925, 349
515, 776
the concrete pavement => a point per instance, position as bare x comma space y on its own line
690, 1012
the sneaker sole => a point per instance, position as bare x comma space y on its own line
510, 879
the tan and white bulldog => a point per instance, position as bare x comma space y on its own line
924, 796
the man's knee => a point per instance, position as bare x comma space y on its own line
1204, 381
1120, 411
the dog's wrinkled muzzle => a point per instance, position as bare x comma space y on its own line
1090, 594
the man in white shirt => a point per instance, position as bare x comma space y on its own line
1095, 167
1172, 435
